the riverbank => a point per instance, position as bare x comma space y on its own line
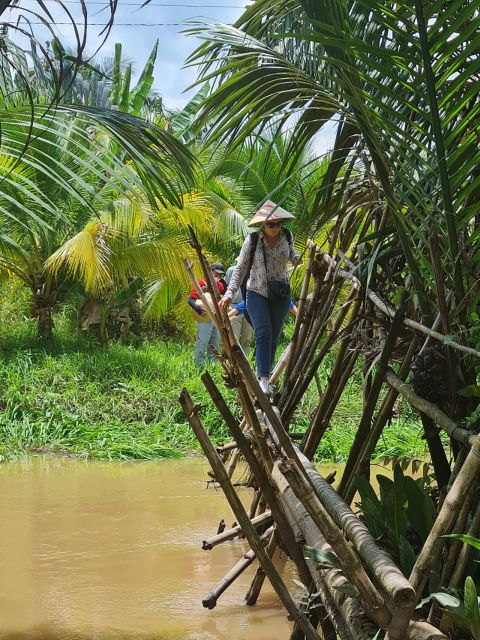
119, 401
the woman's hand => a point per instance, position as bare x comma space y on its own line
296, 260
224, 302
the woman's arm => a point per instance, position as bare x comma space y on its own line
294, 257
240, 269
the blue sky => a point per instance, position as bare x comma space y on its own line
138, 28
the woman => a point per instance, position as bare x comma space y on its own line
263, 261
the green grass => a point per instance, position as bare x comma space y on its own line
120, 401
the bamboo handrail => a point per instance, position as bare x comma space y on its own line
431, 410
390, 311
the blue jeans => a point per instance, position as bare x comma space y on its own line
207, 336
268, 317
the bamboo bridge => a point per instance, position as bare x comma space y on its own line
362, 594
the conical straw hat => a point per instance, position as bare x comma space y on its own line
271, 212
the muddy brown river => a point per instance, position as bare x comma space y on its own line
112, 551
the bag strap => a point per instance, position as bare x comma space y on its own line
254, 242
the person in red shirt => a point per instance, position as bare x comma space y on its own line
207, 335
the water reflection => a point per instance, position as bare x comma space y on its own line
112, 551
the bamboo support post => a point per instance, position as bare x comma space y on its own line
283, 526
256, 585
300, 386
327, 406
301, 308
365, 425
306, 353
455, 545
232, 464
372, 601
462, 484
210, 600
229, 534
254, 504
256, 545
461, 566
381, 420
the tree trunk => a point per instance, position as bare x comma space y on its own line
42, 303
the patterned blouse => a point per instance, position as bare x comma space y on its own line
276, 267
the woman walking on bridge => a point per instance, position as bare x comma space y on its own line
261, 273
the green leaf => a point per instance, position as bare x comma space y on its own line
472, 611
406, 555
420, 508
144, 84
116, 74
473, 542
471, 391
446, 600
124, 103
322, 557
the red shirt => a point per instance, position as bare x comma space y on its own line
201, 283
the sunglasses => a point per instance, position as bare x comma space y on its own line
273, 225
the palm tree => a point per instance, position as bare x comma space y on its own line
407, 111
62, 165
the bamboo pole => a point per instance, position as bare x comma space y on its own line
307, 352
283, 526
462, 484
232, 464
338, 596
365, 425
303, 381
461, 566
372, 601
211, 599
301, 307
225, 448
437, 415
327, 406
229, 534
382, 418
438, 456
272, 417
455, 545
256, 585
385, 573
190, 411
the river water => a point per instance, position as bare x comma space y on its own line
112, 551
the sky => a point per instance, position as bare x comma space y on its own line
138, 28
